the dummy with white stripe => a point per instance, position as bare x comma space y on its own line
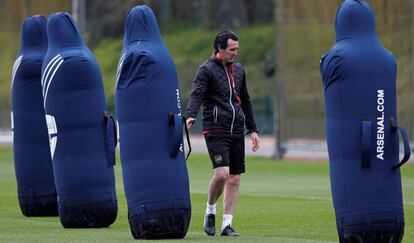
81, 133
32, 161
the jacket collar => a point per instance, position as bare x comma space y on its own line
218, 61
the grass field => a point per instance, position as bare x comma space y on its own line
280, 202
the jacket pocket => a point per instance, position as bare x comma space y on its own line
215, 114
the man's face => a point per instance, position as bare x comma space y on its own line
230, 53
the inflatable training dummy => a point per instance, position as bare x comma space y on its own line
81, 134
359, 79
32, 162
150, 126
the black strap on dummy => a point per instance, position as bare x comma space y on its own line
188, 138
366, 143
175, 121
407, 150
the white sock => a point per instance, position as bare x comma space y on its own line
211, 209
227, 218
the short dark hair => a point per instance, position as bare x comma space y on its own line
220, 42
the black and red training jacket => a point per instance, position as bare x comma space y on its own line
222, 91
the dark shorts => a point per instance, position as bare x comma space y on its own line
226, 150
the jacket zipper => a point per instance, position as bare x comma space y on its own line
215, 114
231, 94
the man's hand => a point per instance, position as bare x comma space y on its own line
190, 122
255, 141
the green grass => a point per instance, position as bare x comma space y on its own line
280, 202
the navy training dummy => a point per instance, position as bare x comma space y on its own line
32, 161
359, 78
150, 125
81, 134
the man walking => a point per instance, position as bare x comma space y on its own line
220, 87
